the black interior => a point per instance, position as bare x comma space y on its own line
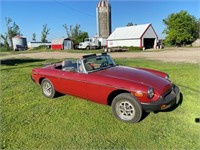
149, 42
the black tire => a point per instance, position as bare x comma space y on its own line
87, 48
48, 89
125, 107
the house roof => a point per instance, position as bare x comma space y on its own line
129, 32
59, 40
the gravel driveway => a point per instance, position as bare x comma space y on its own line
189, 55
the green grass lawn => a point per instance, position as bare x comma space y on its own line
38, 50
31, 121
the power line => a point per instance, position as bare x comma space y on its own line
74, 9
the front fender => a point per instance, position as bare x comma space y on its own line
156, 72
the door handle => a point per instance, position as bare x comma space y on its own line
61, 75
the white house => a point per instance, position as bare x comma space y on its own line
138, 36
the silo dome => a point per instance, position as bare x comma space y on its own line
103, 3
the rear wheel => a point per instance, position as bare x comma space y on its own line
48, 89
126, 108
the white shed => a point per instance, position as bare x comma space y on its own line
138, 36
62, 44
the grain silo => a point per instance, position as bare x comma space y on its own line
103, 12
19, 43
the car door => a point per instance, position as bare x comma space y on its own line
98, 89
73, 83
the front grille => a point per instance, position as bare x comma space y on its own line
168, 92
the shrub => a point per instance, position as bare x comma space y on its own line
4, 49
132, 48
41, 47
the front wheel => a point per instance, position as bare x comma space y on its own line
126, 108
87, 48
48, 89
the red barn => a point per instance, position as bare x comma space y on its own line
61, 44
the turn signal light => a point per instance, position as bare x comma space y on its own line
163, 106
138, 94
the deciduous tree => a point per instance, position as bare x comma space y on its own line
5, 41
34, 37
75, 33
66, 29
181, 28
12, 30
129, 24
45, 32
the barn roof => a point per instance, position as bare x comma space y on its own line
59, 40
129, 32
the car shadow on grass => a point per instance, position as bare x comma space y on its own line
175, 106
14, 62
58, 95
145, 114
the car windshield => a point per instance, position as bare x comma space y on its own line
97, 63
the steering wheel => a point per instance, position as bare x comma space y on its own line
104, 64
92, 65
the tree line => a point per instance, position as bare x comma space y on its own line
74, 33
181, 29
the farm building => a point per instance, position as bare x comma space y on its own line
19, 43
143, 36
61, 44
37, 44
103, 14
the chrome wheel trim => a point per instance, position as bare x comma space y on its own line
47, 89
125, 110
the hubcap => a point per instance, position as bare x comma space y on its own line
47, 88
125, 110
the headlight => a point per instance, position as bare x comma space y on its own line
167, 76
150, 92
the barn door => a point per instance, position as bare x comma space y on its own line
149, 42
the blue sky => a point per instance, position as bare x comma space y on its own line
31, 15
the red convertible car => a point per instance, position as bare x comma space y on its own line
130, 91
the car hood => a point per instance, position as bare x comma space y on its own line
137, 75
